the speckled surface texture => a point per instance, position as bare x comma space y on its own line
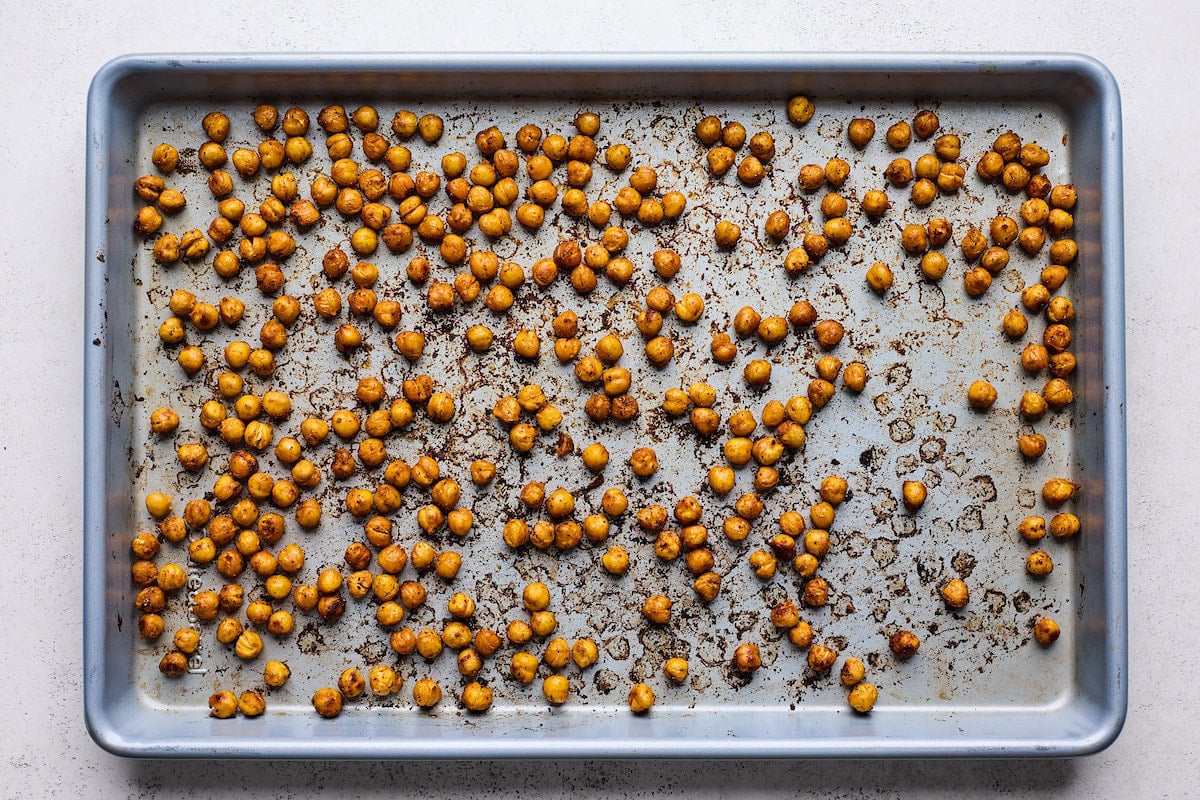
48, 53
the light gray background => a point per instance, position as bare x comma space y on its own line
50, 50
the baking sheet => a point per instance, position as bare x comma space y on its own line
923, 345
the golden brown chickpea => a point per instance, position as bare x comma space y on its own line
1015, 177
838, 231
1039, 564
899, 135
855, 376
641, 698
914, 239
924, 192
1063, 526
726, 234
811, 177
828, 333
860, 131
800, 110
1014, 324
778, 225
879, 277
904, 644
1058, 491
1032, 406
643, 462
750, 171
981, 395
874, 204
1032, 445
746, 658
557, 653
1046, 631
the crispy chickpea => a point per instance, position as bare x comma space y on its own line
1035, 357
726, 234
351, 683
862, 697
800, 110
1063, 526
828, 333
820, 392
860, 131
641, 698
904, 644
1058, 491
327, 702
879, 277
757, 373
1032, 445
657, 609
615, 560
1046, 631
524, 667
955, 593
981, 395
1032, 406
1039, 564
746, 658
914, 494
1032, 529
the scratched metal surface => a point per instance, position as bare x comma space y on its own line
923, 345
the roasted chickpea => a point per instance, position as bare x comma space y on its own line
1046, 631
1039, 564
828, 333
800, 110
746, 658
860, 131
726, 234
981, 395
879, 277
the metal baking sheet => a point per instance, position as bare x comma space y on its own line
979, 685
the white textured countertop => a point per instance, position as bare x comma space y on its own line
49, 52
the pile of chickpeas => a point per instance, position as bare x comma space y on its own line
270, 465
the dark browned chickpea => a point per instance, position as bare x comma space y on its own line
815, 593
1057, 337
860, 131
904, 644
746, 658
828, 333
